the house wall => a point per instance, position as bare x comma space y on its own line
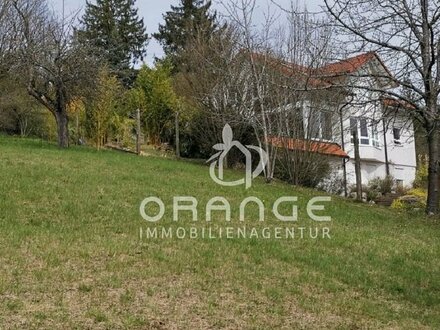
365, 103
401, 157
371, 170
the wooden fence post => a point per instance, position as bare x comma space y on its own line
138, 131
177, 135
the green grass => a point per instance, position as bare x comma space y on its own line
71, 254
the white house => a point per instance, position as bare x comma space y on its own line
385, 146
386, 134
384, 128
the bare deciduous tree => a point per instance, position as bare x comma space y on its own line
406, 33
55, 67
5, 34
281, 61
264, 81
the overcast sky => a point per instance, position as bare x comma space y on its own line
152, 11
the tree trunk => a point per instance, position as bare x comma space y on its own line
433, 172
62, 128
385, 146
357, 165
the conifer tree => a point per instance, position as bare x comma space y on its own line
116, 33
189, 19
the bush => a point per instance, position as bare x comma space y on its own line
372, 194
415, 199
333, 184
419, 192
398, 205
421, 180
402, 190
377, 187
382, 185
47, 127
305, 169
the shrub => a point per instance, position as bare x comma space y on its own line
415, 199
419, 192
382, 185
372, 194
397, 204
333, 184
305, 169
421, 180
378, 187
401, 190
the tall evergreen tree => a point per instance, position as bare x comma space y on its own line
116, 33
189, 19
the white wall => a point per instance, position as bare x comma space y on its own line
402, 158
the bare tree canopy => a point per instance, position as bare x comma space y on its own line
406, 34
260, 82
5, 31
280, 59
48, 58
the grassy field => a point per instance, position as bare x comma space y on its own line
71, 254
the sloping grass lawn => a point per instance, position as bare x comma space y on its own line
72, 255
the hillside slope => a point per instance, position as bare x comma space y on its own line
72, 254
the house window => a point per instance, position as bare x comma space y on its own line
364, 131
326, 126
360, 125
313, 124
320, 125
396, 135
375, 136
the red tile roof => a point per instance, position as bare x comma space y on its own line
349, 65
395, 103
291, 69
325, 148
320, 77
